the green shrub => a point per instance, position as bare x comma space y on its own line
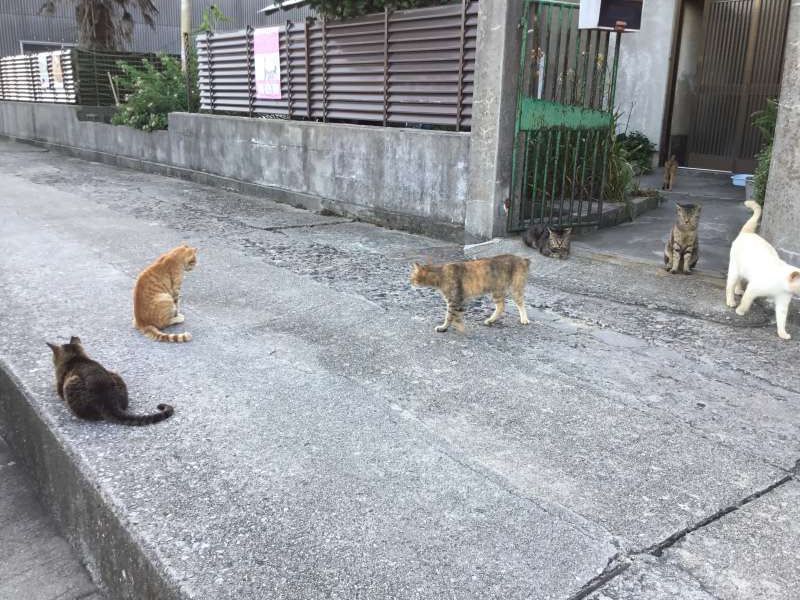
155, 90
765, 121
639, 151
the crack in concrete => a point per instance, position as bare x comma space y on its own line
619, 563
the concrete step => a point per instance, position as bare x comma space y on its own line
36, 563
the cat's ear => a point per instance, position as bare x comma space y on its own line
54, 347
794, 276
75, 340
416, 266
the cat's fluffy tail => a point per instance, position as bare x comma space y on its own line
155, 334
117, 415
752, 223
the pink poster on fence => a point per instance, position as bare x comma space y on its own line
267, 63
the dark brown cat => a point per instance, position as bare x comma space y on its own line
91, 391
683, 246
460, 281
670, 173
550, 241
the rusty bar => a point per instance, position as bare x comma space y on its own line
385, 65
461, 53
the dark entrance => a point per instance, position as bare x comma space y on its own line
739, 48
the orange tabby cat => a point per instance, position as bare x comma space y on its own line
157, 291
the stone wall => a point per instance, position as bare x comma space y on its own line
781, 222
405, 178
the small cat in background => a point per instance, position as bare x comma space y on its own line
670, 172
550, 241
92, 392
460, 281
683, 246
755, 261
157, 292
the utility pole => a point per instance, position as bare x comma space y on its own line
186, 31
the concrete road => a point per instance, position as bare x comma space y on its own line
36, 563
637, 438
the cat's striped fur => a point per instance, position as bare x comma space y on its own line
157, 292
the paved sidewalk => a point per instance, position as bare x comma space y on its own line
36, 563
327, 443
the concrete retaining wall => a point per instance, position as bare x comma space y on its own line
405, 178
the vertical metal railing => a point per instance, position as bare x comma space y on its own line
565, 103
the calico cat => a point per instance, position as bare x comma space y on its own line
460, 281
670, 172
157, 292
550, 241
92, 392
755, 261
681, 251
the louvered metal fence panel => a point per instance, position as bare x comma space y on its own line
404, 67
21, 78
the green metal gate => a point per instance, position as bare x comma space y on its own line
565, 99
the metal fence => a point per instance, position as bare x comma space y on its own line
28, 78
403, 67
84, 76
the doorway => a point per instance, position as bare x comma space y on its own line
729, 55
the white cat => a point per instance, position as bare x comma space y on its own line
755, 261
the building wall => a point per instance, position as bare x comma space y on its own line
686, 80
20, 20
644, 69
405, 178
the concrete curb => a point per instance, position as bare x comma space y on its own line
118, 564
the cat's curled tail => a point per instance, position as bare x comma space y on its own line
752, 223
155, 334
114, 413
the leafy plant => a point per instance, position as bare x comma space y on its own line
344, 9
765, 121
211, 18
639, 150
105, 24
156, 90
620, 173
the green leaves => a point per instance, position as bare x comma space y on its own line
765, 121
155, 90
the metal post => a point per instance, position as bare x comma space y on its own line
461, 52
251, 77
385, 66
308, 68
186, 30
287, 37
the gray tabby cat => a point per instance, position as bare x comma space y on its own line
681, 251
550, 241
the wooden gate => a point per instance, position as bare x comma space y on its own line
739, 69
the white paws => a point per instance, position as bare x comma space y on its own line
784, 336
525, 321
440, 328
488, 321
731, 303
741, 312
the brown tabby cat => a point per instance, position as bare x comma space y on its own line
670, 172
92, 392
550, 241
681, 251
157, 291
460, 281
